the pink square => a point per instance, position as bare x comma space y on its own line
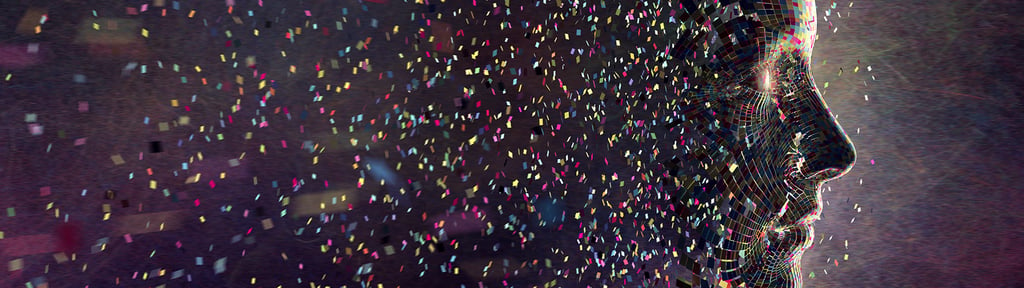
35, 129
45, 191
80, 141
83, 106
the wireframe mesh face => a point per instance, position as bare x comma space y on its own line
727, 90
751, 137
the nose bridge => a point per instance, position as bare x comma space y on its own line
827, 149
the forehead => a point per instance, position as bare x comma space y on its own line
739, 35
791, 25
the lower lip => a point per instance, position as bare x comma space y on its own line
790, 241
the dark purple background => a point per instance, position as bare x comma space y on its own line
940, 204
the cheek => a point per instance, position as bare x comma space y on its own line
752, 111
764, 152
748, 151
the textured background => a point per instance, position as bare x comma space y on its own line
942, 203
938, 181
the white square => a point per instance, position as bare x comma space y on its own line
220, 265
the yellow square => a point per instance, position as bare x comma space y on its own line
117, 159
15, 265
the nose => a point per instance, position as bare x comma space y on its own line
828, 151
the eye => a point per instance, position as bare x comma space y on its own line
765, 81
762, 80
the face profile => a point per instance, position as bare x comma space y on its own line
760, 141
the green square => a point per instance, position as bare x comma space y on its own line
10, 211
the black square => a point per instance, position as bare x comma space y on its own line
682, 284
156, 147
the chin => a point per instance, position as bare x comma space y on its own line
778, 263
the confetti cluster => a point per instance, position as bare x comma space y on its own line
386, 143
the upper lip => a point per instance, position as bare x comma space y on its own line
800, 188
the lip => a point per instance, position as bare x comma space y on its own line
790, 241
792, 237
797, 189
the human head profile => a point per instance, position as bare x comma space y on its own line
760, 140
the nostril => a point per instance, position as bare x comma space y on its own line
832, 165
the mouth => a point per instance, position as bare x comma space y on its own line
798, 191
791, 233
788, 242
786, 237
